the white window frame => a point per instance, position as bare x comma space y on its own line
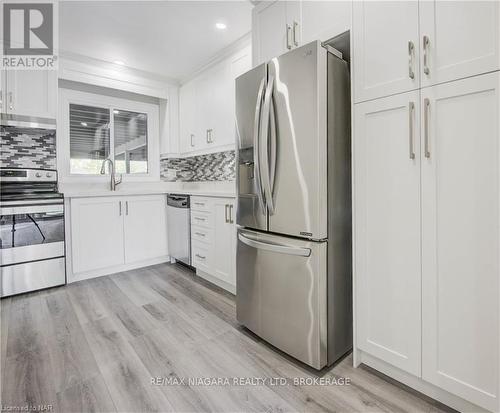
69, 96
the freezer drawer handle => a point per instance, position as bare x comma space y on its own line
280, 249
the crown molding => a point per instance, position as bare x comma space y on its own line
228, 51
95, 72
124, 69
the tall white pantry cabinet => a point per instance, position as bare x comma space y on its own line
426, 175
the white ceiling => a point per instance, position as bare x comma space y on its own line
169, 38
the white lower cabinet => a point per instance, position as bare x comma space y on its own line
225, 243
461, 239
96, 233
387, 193
427, 239
213, 240
110, 233
145, 229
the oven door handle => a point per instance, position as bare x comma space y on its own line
32, 209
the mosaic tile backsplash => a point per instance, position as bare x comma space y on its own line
27, 148
218, 166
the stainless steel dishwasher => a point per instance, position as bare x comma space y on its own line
179, 227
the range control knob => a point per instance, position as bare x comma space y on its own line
38, 175
48, 175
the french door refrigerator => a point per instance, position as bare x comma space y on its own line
294, 205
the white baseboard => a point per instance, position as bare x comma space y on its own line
219, 283
418, 384
72, 277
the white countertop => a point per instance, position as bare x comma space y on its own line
215, 189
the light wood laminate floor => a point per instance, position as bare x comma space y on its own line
96, 345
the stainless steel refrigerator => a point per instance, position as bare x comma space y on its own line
294, 204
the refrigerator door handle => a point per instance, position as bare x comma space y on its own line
264, 150
256, 144
273, 149
278, 248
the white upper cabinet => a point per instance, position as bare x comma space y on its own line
269, 30
461, 39
322, 20
30, 93
187, 116
278, 26
387, 230
403, 45
386, 48
461, 238
206, 106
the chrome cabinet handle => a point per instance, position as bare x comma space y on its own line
120, 208
427, 105
411, 109
11, 102
200, 203
126, 207
202, 257
295, 37
231, 221
288, 34
411, 50
226, 219
210, 135
200, 234
199, 219
192, 140
426, 43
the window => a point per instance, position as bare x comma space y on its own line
131, 142
89, 138
103, 127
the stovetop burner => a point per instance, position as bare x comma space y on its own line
17, 185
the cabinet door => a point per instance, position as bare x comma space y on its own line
203, 109
32, 93
460, 244
217, 108
145, 228
386, 48
187, 115
269, 30
463, 39
387, 229
96, 233
225, 241
322, 20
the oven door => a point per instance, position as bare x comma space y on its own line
31, 247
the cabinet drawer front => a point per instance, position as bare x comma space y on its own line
201, 204
201, 256
201, 219
201, 234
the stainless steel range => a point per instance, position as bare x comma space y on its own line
31, 231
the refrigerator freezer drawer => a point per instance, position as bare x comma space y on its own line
31, 276
282, 295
